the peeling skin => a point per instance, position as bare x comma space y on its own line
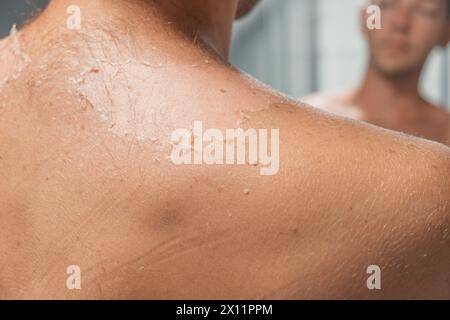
125, 113
129, 61
79, 81
20, 58
80, 174
120, 112
16, 45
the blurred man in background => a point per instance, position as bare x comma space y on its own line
389, 95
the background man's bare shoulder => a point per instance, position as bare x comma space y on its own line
336, 103
442, 119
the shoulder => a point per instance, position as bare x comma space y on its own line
378, 169
322, 151
440, 121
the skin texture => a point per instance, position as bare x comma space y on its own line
389, 96
86, 180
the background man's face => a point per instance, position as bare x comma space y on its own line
410, 30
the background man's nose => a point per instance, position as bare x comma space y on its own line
402, 18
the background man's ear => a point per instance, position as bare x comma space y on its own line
448, 35
363, 20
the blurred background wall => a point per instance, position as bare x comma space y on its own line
296, 46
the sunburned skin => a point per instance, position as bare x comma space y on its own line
86, 177
11, 51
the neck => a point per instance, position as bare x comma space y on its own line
202, 21
388, 95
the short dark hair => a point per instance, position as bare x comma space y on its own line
448, 10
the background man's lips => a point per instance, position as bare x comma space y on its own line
396, 43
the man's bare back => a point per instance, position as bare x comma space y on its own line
87, 180
425, 120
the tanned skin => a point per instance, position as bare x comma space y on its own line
389, 95
86, 177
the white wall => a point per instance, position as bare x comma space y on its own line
342, 53
274, 45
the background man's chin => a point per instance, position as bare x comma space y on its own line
394, 69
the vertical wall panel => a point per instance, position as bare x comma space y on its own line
274, 45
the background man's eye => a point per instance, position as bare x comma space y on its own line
386, 4
428, 11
